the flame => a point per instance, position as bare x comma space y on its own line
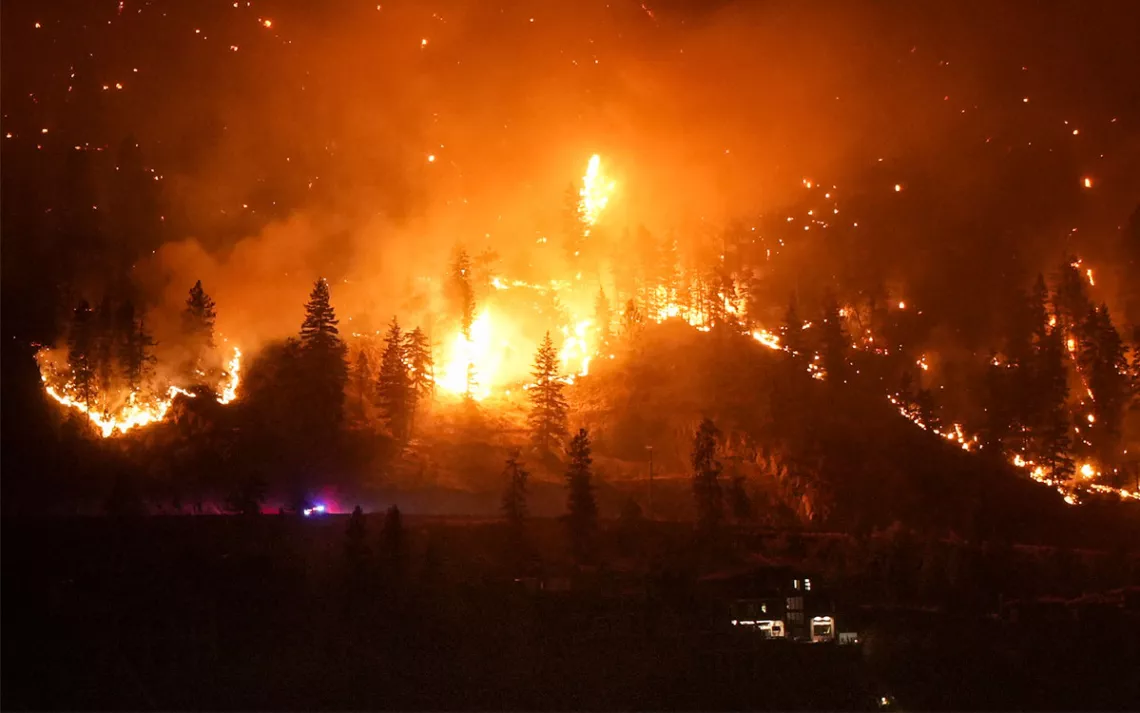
137, 409
576, 349
1089, 274
772, 341
476, 356
595, 193
229, 389
132, 415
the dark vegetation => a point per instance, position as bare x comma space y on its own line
383, 611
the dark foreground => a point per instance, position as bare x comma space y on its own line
277, 612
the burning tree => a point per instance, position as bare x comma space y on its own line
462, 297
706, 474
1103, 357
581, 507
394, 389
1051, 434
547, 418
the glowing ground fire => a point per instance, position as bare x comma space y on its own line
137, 409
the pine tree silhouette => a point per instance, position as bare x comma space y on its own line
135, 345
198, 327
548, 412
323, 360
394, 389
421, 370
582, 508
706, 473
515, 493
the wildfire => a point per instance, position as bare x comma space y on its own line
575, 348
595, 193
138, 409
132, 415
772, 341
471, 362
229, 391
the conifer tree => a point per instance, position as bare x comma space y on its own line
80, 343
198, 326
362, 381
421, 367
582, 508
394, 391
1071, 301
1104, 360
135, 344
706, 477
1050, 437
515, 493
461, 292
548, 412
323, 358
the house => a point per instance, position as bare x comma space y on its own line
773, 600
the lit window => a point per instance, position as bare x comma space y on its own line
796, 583
807, 585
